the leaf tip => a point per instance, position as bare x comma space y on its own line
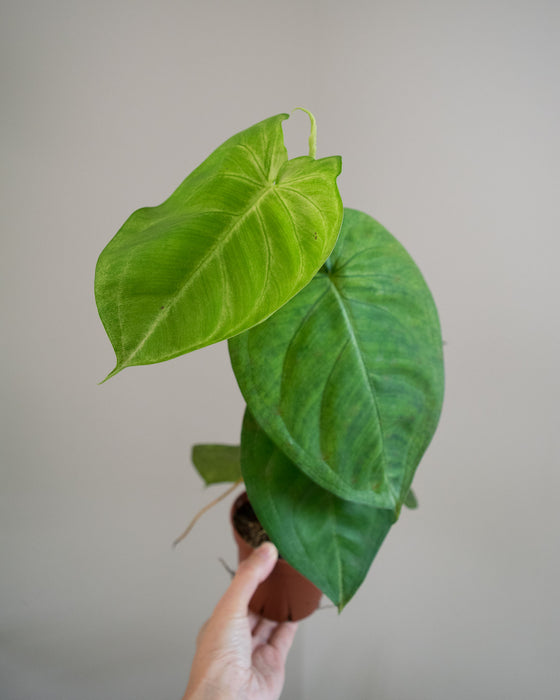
411, 501
111, 374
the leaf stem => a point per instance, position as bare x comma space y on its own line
313, 133
203, 510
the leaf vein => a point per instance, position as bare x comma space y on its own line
254, 158
308, 200
294, 229
243, 178
214, 250
369, 382
268, 253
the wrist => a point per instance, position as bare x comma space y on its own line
206, 691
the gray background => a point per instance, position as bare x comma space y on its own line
446, 114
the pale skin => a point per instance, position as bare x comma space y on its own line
240, 655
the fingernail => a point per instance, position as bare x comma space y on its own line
266, 550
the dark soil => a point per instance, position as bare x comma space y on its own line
247, 525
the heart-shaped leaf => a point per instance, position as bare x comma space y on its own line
240, 236
329, 540
347, 378
217, 463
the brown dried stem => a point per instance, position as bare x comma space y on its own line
203, 510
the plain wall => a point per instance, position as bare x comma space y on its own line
447, 116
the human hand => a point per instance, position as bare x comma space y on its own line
241, 655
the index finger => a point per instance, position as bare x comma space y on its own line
250, 573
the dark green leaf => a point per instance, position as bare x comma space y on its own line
330, 541
347, 378
240, 236
411, 501
217, 463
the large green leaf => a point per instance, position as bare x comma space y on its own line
329, 540
347, 378
217, 463
240, 236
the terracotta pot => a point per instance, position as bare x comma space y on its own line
286, 594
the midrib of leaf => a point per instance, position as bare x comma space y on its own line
213, 252
372, 391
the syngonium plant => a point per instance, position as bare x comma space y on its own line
333, 336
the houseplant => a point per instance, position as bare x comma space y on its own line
333, 336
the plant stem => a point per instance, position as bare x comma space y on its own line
313, 133
203, 510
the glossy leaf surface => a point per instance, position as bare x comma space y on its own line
329, 540
243, 233
347, 378
217, 463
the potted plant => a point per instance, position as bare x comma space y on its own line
333, 336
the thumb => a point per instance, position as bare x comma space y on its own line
250, 573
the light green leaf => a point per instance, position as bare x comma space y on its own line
347, 378
330, 541
240, 236
217, 463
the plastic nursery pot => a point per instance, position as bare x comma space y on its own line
286, 594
